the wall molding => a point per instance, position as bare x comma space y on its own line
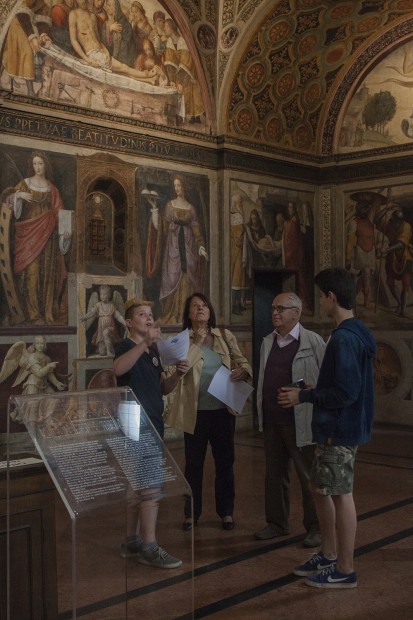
218, 155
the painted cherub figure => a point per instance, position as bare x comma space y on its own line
108, 310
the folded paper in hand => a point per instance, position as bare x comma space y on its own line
174, 349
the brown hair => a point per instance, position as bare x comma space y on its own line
186, 322
48, 173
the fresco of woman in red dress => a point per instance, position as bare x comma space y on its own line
38, 264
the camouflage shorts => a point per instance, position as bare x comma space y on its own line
332, 470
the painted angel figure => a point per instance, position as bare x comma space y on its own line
36, 372
108, 310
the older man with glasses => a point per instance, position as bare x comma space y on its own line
288, 355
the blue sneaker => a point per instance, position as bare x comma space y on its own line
317, 563
332, 578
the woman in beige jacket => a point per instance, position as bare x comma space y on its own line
201, 416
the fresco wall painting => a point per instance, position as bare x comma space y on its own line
140, 231
271, 228
116, 228
379, 252
380, 112
37, 203
175, 209
109, 56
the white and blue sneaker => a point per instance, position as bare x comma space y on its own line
317, 563
332, 578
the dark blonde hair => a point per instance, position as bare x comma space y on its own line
133, 303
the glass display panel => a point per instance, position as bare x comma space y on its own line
106, 461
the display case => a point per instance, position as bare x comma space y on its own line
108, 466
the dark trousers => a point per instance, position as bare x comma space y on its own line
216, 427
280, 451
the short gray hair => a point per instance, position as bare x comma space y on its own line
294, 300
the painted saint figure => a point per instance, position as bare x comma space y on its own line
181, 72
256, 227
158, 35
140, 24
60, 24
96, 7
294, 252
238, 256
116, 34
38, 264
278, 236
175, 241
361, 249
148, 60
27, 34
399, 253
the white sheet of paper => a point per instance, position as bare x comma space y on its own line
174, 349
65, 219
231, 393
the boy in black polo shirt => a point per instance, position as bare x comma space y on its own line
138, 366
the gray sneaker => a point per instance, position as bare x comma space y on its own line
269, 532
130, 548
313, 539
158, 557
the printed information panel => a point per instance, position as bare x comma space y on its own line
99, 447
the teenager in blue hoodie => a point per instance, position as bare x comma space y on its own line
343, 410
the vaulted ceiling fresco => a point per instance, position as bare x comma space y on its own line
294, 62
275, 74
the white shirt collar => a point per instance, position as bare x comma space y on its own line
294, 334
